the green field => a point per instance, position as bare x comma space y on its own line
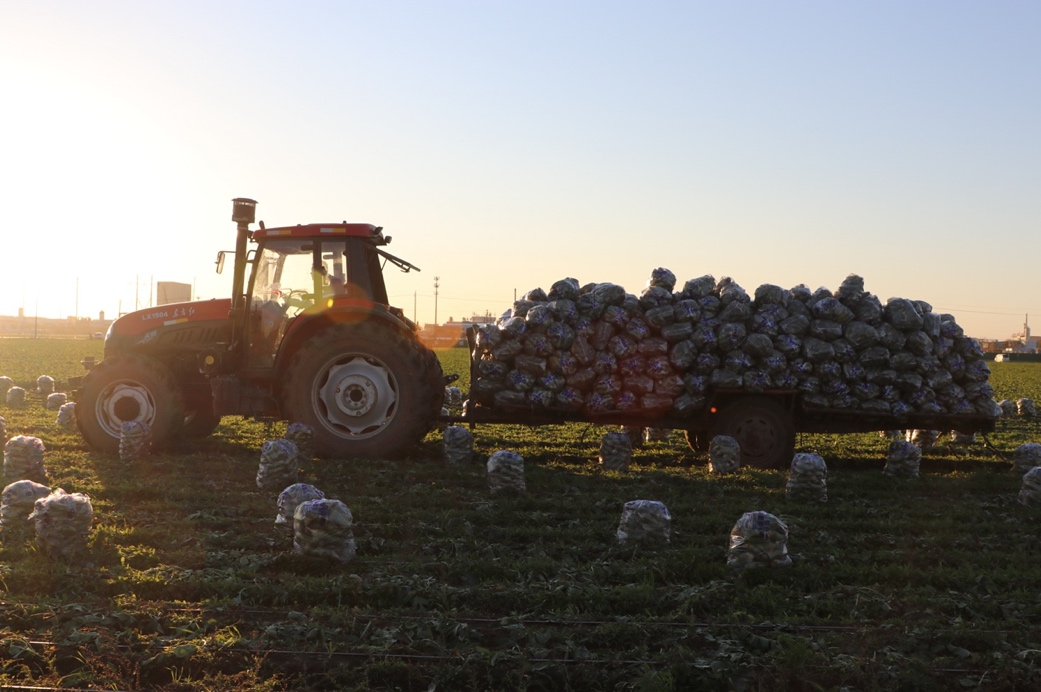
188, 584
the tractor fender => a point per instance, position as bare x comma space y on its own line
307, 325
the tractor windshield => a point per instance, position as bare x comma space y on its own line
284, 274
284, 283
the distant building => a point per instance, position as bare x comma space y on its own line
1023, 342
66, 327
452, 333
1015, 347
172, 292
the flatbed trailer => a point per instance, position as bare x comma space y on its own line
763, 422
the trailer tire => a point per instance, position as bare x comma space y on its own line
367, 390
762, 428
124, 388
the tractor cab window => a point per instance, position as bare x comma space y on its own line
285, 282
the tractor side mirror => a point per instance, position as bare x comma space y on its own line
220, 261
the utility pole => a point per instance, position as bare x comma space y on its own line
436, 286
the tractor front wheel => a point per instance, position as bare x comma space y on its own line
126, 388
367, 390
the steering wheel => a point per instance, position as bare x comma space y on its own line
299, 299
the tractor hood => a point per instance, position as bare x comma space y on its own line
191, 325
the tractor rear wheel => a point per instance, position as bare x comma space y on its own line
367, 390
763, 429
124, 388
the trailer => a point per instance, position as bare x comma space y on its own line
764, 420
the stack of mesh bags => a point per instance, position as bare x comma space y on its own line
55, 400
44, 385
66, 419
1008, 408
923, 439
278, 464
1026, 408
656, 434
16, 504
1030, 493
506, 472
453, 397
616, 451
3, 429
135, 440
23, 459
644, 522
16, 396
302, 435
291, 498
322, 528
62, 523
457, 445
5, 384
758, 539
594, 348
724, 454
808, 478
903, 459
1026, 457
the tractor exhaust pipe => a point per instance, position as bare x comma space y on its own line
243, 213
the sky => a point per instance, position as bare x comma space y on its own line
508, 144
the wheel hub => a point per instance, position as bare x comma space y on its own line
121, 402
757, 438
357, 396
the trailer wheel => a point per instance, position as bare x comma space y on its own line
367, 390
763, 429
126, 388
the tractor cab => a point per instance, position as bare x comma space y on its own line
307, 270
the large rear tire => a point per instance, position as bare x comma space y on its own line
763, 429
125, 388
367, 390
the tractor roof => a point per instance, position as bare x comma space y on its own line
324, 230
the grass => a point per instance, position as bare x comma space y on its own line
188, 584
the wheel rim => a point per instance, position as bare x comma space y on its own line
356, 396
121, 402
757, 437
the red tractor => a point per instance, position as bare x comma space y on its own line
307, 336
